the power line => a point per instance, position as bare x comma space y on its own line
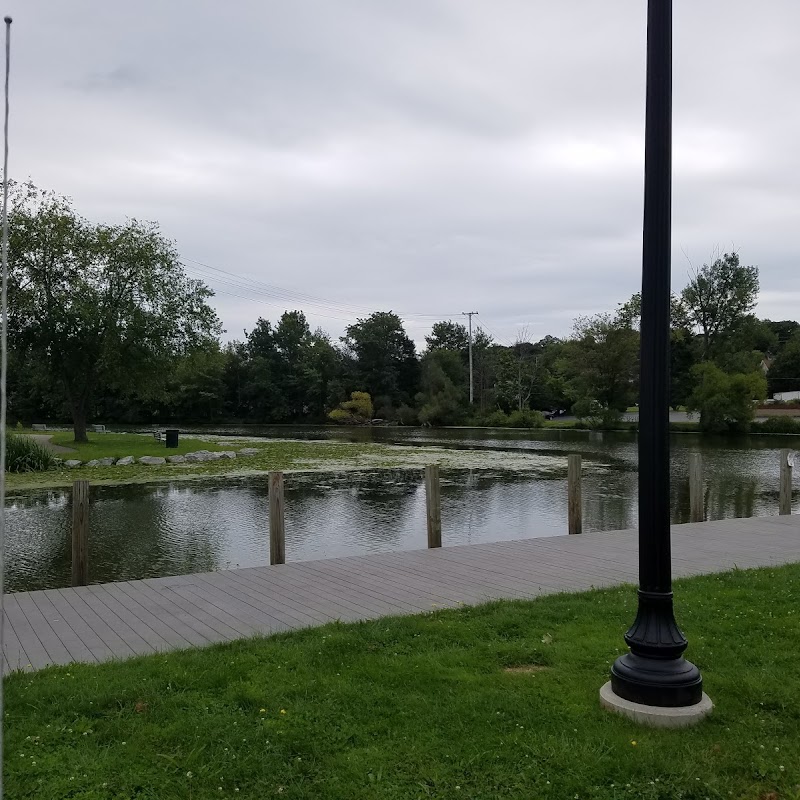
294, 296
262, 296
274, 295
500, 339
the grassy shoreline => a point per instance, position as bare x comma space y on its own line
287, 455
498, 701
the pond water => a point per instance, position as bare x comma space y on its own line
151, 530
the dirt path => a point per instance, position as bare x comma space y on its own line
44, 440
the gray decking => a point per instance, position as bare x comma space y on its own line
119, 620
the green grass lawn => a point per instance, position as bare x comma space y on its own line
102, 445
499, 701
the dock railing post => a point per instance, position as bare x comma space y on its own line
433, 505
785, 501
696, 495
574, 503
80, 533
277, 533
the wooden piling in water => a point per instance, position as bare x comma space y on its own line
433, 504
80, 533
277, 533
574, 504
785, 499
696, 494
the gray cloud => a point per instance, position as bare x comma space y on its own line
429, 157
120, 77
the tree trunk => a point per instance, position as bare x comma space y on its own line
79, 424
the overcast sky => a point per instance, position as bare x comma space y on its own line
424, 156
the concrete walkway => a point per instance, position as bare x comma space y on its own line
120, 620
44, 440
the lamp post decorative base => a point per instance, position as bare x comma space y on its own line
667, 682
654, 672
656, 716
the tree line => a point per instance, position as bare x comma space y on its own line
105, 325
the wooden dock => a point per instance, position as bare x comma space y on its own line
119, 620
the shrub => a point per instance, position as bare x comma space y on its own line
355, 411
525, 419
497, 419
23, 454
778, 425
592, 414
341, 417
407, 415
725, 400
684, 427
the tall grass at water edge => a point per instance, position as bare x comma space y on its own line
23, 454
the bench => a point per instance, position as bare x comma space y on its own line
38, 426
99, 428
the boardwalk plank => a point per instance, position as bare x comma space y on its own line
96, 646
244, 607
72, 641
101, 622
133, 621
50, 640
106, 612
107, 635
14, 654
317, 595
189, 626
28, 638
246, 585
217, 609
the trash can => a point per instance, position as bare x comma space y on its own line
172, 437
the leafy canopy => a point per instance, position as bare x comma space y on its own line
717, 298
95, 304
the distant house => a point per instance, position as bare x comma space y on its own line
766, 363
786, 397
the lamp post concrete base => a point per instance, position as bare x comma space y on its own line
656, 716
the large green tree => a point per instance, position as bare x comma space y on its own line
784, 374
260, 394
443, 397
448, 335
718, 297
287, 370
195, 388
726, 401
98, 305
517, 374
601, 365
384, 360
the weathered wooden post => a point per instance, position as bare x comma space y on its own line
696, 498
277, 533
574, 505
433, 504
80, 533
785, 503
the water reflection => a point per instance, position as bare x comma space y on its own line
176, 528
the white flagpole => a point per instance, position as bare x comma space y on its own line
3, 399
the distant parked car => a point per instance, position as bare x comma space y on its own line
559, 412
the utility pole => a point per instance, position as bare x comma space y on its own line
471, 385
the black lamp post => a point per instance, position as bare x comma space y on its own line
655, 672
